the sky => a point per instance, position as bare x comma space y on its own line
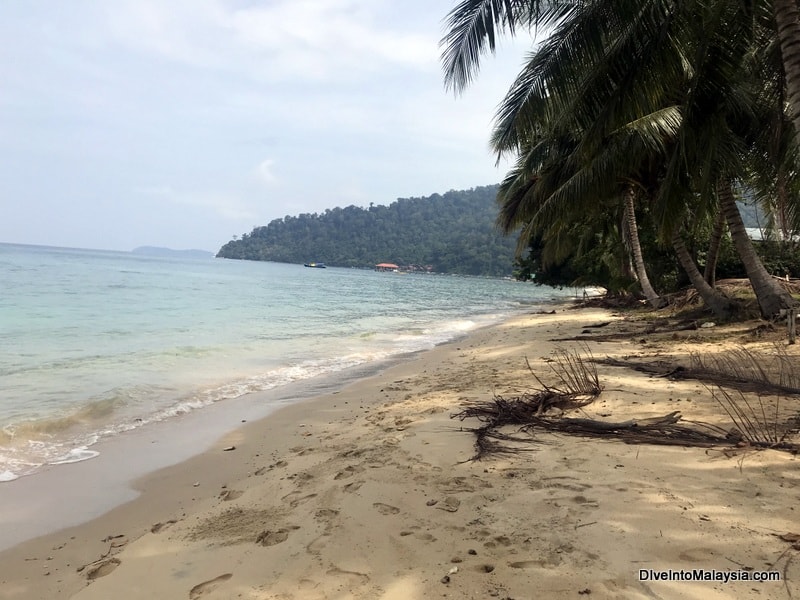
181, 123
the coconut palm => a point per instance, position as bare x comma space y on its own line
714, 243
720, 123
719, 304
557, 92
475, 25
614, 66
565, 87
787, 22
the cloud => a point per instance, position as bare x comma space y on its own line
264, 172
280, 41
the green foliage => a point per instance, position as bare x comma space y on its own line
450, 233
599, 264
780, 258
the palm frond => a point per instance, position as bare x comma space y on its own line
472, 28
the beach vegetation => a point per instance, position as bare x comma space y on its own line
677, 108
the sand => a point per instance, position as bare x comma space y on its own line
368, 493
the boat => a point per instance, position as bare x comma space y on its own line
315, 265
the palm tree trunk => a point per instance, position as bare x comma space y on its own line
719, 304
771, 296
787, 18
781, 207
632, 231
710, 274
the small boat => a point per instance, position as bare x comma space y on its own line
315, 265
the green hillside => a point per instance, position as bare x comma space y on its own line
450, 233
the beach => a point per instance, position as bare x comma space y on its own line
369, 492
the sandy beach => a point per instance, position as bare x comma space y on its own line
369, 493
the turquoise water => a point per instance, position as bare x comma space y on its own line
95, 343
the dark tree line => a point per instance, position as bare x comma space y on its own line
599, 260
453, 232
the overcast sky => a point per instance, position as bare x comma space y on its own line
181, 123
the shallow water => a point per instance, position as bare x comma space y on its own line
95, 342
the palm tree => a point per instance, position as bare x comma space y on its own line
719, 126
610, 65
553, 94
787, 22
632, 236
564, 87
474, 25
714, 243
719, 304
772, 298
552, 185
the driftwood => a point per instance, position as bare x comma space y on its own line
667, 430
663, 430
573, 424
579, 386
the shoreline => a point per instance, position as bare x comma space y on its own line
364, 492
64, 442
174, 337
163, 443
133, 455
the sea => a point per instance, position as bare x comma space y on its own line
97, 343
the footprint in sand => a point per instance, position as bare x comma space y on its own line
325, 514
564, 483
386, 509
228, 495
102, 569
586, 501
401, 424
450, 504
353, 487
296, 498
273, 538
458, 485
162, 526
353, 578
348, 472
201, 589
524, 564
318, 544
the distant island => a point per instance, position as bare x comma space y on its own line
454, 232
159, 251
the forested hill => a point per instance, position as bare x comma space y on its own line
449, 233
